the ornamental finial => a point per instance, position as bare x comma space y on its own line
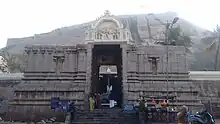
107, 13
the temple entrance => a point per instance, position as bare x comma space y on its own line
107, 73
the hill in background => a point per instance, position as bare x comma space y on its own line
75, 34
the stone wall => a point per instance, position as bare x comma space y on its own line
210, 94
143, 81
7, 83
51, 71
65, 71
28, 113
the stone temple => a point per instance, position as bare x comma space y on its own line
73, 72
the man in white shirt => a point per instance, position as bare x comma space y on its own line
109, 88
112, 102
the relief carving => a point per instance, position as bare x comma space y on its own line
107, 34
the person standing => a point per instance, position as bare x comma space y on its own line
91, 103
98, 100
72, 110
109, 88
111, 100
182, 115
189, 117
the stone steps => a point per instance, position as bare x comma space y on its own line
106, 116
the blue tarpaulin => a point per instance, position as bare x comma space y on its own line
128, 107
54, 103
60, 105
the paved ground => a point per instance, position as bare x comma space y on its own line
216, 122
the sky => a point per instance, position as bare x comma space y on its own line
23, 18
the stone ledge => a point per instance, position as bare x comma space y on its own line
48, 99
50, 89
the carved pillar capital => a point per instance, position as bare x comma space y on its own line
49, 50
58, 58
42, 50
153, 58
35, 51
70, 50
61, 59
27, 50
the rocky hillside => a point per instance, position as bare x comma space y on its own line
75, 34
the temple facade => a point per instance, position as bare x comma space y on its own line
72, 72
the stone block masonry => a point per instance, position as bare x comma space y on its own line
146, 77
65, 71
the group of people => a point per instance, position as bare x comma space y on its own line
94, 101
183, 115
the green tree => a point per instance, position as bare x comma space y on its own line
214, 46
12, 62
178, 38
175, 35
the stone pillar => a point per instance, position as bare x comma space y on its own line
81, 61
49, 60
46, 62
132, 61
89, 68
124, 74
70, 62
29, 59
41, 57
121, 34
34, 59
185, 62
38, 64
141, 61
132, 69
88, 75
141, 69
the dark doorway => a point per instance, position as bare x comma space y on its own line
107, 56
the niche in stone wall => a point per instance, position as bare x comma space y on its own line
153, 64
58, 59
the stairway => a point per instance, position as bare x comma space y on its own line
106, 116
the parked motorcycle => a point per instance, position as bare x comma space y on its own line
203, 117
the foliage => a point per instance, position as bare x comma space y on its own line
208, 40
175, 35
215, 39
207, 55
177, 38
180, 39
214, 46
12, 62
